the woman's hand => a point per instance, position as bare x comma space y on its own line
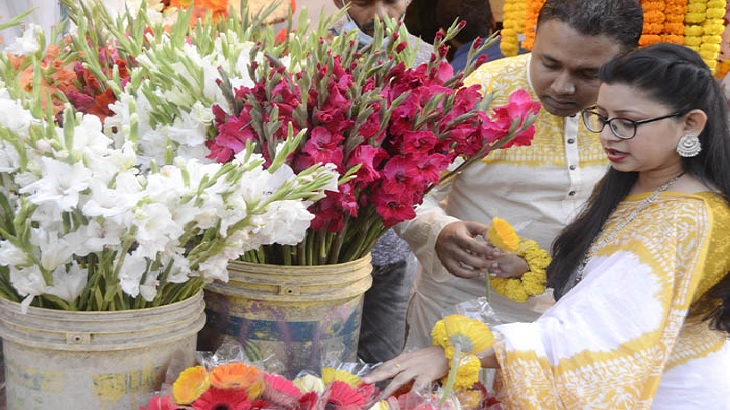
508, 265
423, 367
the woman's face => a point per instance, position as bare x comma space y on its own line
653, 148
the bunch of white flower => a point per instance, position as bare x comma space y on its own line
84, 227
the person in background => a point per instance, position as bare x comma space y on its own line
539, 188
479, 24
643, 320
383, 327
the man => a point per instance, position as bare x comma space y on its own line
538, 189
479, 24
382, 332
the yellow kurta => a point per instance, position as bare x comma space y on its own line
620, 339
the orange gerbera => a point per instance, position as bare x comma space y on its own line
238, 376
502, 235
190, 385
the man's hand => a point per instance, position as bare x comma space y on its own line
460, 252
422, 367
507, 265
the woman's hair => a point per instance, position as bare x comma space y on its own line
619, 19
676, 77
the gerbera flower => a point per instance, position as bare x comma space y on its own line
308, 401
190, 385
309, 383
472, 335
330, 374
502, 235
159, 403
218, 399
344, 395
238, 376
281, 391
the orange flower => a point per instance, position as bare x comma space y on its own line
238, 376
502, 235
190, 385
218, 8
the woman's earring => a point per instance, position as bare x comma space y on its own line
689, 146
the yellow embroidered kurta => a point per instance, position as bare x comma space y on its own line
538, 189
620, 339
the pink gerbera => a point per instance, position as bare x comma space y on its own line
219, 399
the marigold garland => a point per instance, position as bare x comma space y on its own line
512, 25
532, 12
503, 236
703, 28
654, 19
674, 12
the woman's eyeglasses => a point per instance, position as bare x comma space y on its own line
623, 128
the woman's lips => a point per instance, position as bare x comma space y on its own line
615, 155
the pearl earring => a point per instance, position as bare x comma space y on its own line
689, 146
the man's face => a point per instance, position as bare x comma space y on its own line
365, 11
565, 64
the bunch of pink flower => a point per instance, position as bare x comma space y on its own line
394, 129
238, 386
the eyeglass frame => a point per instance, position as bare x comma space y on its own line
592, 110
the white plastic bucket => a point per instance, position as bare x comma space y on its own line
57, 359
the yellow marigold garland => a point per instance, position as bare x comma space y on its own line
503, 236
512, 25
703, 28
461, 338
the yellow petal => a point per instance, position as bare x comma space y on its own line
502, 235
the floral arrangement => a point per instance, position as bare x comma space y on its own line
237, 385
503, 236
396, 128
390, 129
88, 224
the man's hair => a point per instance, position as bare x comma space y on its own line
477, 13
620, 19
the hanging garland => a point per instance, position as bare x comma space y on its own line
703, 28
532, 10
653, 22
674, 12
512, 26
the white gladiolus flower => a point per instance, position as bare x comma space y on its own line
287, 223
26, 43
13, 116
11, 254
28, 282
68, 283
131, 272
61, 184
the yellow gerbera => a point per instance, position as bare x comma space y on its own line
190, 385
472, 335
502, 235
330, 374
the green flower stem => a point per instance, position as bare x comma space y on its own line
452, 374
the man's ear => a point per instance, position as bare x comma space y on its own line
339, 3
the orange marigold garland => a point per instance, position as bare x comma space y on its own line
674, 12
653, 22
531, 13
512, 25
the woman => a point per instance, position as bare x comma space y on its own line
643, 315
